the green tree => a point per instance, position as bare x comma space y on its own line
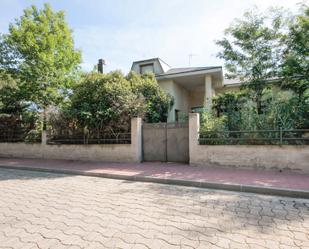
105, 102
229, 104
39, 51
6, 80
252, 49
157, 102
295, 69
7, 57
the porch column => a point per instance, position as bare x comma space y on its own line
208, 92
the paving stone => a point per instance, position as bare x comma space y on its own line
43, 210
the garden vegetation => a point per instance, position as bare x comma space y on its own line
42, 85
269, 53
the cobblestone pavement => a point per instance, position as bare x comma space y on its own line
43, 210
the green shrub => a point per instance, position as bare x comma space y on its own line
33, 136
279, 109
108, 102
157, 102
229, 104
213, 127
105, 102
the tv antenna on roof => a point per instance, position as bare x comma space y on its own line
190, 57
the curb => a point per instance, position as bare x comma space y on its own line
295, 193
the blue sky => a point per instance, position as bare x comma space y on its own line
121, 31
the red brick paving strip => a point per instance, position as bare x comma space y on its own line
175, 171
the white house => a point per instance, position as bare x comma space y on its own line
191, 87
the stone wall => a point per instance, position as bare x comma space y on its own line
101, 152
247, 156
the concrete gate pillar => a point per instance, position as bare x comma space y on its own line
44, 137
136, 138
194, 129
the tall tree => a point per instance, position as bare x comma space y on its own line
39, 50
295, 68
252, 49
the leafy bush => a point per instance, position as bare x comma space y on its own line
213, 127
183, 117
229, 104
33, 136
280, 109
105, 102
156, 100
16, 121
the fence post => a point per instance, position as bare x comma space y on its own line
166, 159
44, 137
136, 139
194, 129
280, 135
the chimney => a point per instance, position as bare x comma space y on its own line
100, 65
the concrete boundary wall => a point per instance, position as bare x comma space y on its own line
247, 156
94, 152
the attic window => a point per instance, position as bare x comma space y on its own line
146, 68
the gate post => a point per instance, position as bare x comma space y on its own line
194, 129
136, 139
43, 137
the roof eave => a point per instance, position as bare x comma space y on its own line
233, 85
192, 73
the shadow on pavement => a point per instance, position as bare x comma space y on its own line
233, 211
19, 174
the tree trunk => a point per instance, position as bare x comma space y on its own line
44, 119
259, 102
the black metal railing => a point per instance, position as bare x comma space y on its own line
256, 137
16, 136
82, 138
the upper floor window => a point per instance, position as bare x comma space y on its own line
146, 68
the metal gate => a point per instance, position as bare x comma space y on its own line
166, 142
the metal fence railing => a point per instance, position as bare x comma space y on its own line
256, 137
81, 138
33, 136
16, 136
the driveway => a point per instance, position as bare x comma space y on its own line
44, 210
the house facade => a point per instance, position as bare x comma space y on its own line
192, 87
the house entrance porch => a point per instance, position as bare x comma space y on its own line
191, 91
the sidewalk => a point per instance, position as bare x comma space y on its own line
273, 182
